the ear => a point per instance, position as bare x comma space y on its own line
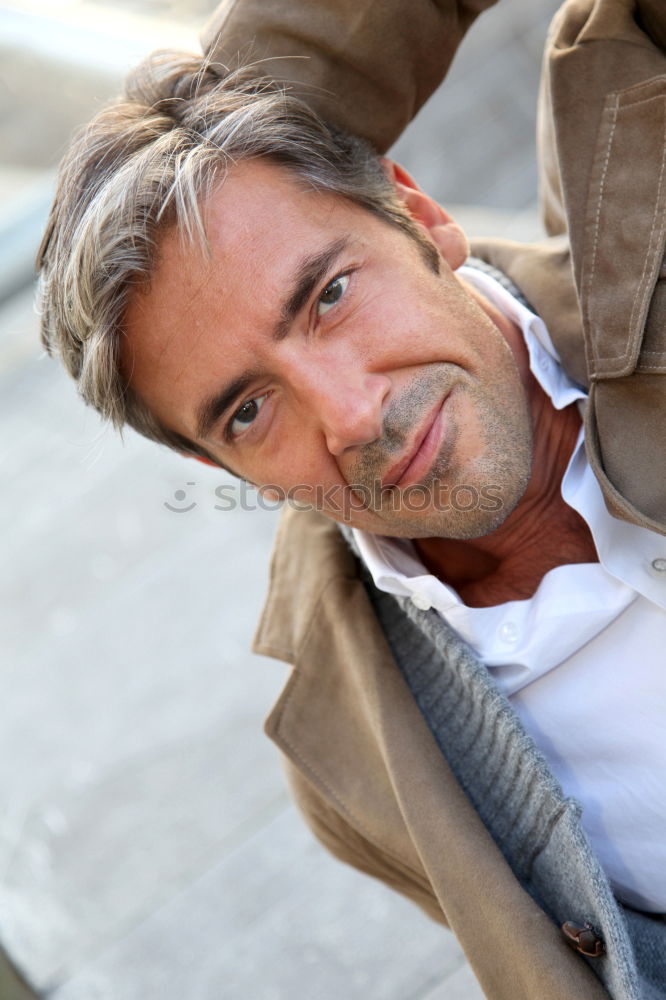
446, 234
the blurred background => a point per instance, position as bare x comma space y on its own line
148, 850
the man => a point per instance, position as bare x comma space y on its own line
240, 281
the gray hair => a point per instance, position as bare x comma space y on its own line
146, 163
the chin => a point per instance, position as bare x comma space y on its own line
475, 507
462, 525
466, 526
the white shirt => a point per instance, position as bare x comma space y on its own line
583, 660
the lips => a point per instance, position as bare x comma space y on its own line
419, 456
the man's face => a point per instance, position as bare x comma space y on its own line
315, 350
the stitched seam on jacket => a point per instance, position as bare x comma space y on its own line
656, 367
344, 809
645, 100
653, 231
644, 286
322, 783
598, 214
306, 764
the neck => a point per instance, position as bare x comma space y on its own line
542, 532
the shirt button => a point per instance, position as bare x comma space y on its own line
659, 565
544, 363
508, 632
421, 602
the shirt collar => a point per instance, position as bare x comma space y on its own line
627, 551
544, 360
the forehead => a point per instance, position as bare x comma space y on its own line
199, 310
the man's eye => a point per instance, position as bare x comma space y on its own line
332, 293
245, 415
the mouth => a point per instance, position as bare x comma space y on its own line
420, 455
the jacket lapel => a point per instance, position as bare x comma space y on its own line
349, 724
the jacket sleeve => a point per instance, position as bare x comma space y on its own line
365, 65
346, 844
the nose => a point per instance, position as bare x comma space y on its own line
350, 408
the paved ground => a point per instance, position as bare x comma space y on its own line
147, 847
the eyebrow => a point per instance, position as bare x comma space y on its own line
310, 271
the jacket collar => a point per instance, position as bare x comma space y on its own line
349, 725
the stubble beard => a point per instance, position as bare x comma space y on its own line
491, 483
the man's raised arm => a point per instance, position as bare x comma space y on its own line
368, 66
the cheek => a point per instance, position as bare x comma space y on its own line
468, 417
421, 321
299, 462
393, 335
